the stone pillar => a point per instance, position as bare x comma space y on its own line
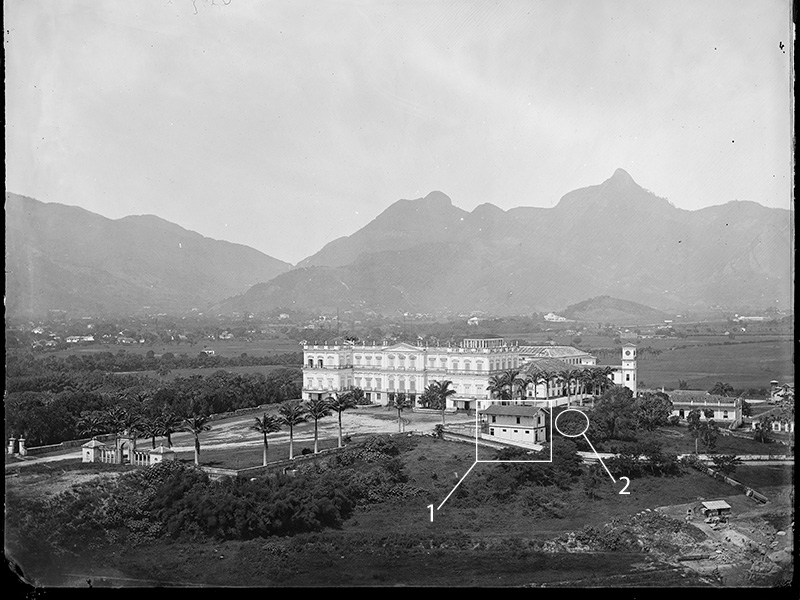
12, 445
23, 451
92, 451
161, 454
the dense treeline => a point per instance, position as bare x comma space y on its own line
177, 501
27, 365
48, 409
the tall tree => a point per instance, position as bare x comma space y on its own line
693, 420
763, 429
564, 376
726, 463
721, 389
399, 402
317, 409
498, 388
340, 403
151, 427
586, 381
292, 413
510, 379
196, 424
442, 391
522, 383
92, 423
169, 423
653, 410
268, 424
547, 377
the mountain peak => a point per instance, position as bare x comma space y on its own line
622, 176
438, 197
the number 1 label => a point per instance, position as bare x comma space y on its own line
431, 507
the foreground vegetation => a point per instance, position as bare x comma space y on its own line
361, 518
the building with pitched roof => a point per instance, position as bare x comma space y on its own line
387, 369
515, 423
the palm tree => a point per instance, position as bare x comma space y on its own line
585, 379
196, 424
292, 413
169, 423
358, 396
269, 424
546, 377
510, 378
497, 387
399, 402
522, 386
564, 376
92, 423
151, 427
340, 403
317, 409
442, 391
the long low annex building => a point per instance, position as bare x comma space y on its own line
386, 369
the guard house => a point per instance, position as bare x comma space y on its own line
515, 423
715, 508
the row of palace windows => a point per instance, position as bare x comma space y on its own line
455, 364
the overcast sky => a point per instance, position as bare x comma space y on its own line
286, 124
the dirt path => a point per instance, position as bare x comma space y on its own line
236, 432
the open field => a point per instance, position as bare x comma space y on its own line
228, 348
677, 439
741, 365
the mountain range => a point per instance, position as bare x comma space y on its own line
615, 238
423, 255
62, 257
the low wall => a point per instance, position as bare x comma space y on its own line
239, 411
64, 445
747, 491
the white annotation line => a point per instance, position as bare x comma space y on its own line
600, 458
458, 484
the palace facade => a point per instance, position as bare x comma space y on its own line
383, 370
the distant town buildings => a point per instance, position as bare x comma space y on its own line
554, 318
725, 410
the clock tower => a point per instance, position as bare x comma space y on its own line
629, 367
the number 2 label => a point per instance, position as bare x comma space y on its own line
622, 491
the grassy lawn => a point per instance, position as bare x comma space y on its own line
436, 466
765, 476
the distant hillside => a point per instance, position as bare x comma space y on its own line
67, 258
613, 239
605, 309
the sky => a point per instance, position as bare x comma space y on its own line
286, 124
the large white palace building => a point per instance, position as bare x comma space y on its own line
381, 370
